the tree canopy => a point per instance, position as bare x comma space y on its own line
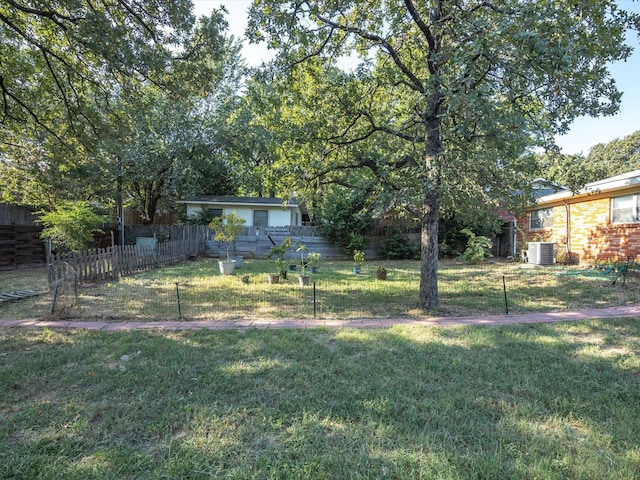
62, 61
97, 90
448, 96
618, 156
604, 160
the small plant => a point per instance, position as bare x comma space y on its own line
287, 243
478, 247
302, 249
279, 252
381, 272
227, 228
314, 259
358, 258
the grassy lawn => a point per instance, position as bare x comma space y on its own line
536, 401
195, 290
31, 278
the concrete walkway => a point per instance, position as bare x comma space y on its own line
613, 312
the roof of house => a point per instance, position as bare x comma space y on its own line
543, 187
618, 182
222, 200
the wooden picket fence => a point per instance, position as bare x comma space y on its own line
103, 264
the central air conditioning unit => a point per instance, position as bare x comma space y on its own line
542, 253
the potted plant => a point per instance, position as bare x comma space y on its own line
358, 258
235, 225
302, 278
287, 244
274, 277
314, 261
278, 252
227, 228
381, 272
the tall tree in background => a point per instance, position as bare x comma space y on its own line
618, 156
170, 152
69, 74
250, 139
169, 141
570, 171
61, 60
603, 160
460, 89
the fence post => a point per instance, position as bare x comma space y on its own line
504, 288
179, 305
314, 300
49, 261
55, 298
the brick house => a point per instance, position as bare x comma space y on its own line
599, 223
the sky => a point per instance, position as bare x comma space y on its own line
584, 133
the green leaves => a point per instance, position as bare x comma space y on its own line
123, 92
71, 226
449, 97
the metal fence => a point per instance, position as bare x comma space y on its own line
196, 291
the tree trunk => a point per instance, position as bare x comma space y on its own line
431, 206
151, 207
429, 256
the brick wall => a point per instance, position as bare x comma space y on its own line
592, 236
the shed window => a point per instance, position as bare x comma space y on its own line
214, 212
541, 218
261, 218
625, 209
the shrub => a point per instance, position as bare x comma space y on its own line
345, 219
478, 247
71, 226
396, 246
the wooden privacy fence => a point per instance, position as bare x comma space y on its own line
20, 245
108, 263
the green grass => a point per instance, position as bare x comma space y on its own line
536, 401
32, 278
205, 294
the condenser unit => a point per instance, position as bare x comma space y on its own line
542, 253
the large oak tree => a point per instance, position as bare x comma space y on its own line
450, 93
73, 79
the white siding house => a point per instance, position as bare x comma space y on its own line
257, 211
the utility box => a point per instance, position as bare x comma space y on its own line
542, 253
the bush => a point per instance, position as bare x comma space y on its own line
71, 226
396, 246
345, 219
478, 247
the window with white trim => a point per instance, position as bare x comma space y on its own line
625, 209
541, 218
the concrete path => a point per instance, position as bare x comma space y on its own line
613, 312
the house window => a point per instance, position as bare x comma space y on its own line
214, 212
261, 218
625, 209
541, 218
